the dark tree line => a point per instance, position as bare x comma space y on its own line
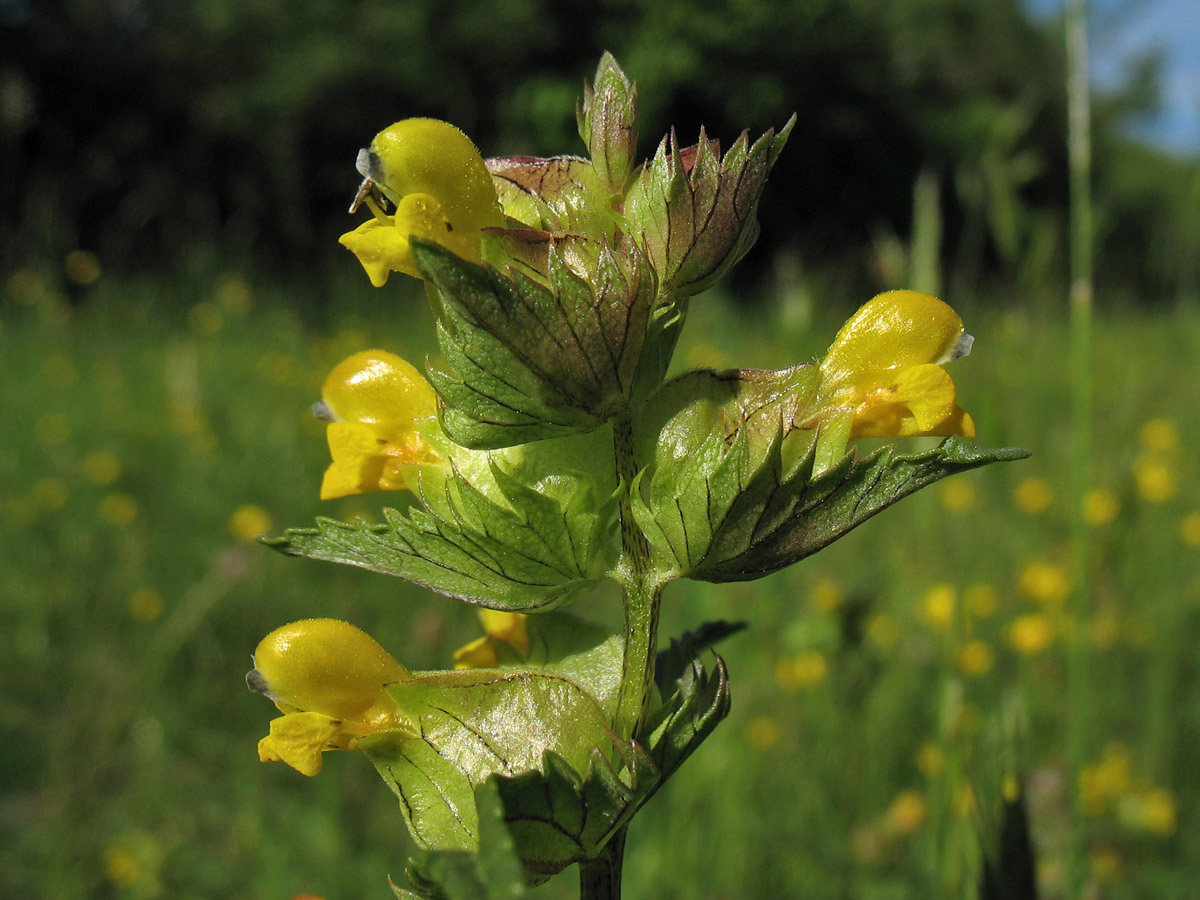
139, 128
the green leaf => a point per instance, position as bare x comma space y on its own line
530, 553
676, 662
561, 814
780, 517
695, 211
582, 652
528, 360
492, 873
471, 724
608, 124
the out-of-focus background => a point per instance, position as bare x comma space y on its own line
173, 177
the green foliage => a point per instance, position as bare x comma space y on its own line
530, 361
529, 551
697, 215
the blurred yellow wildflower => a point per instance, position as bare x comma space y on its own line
376, 403
81, 267
1100, 506
249, 522
975, 658
1030, 634
958, 495
1033, 496
937, 606
1159, 435
132, 862
882, 375
441, 189
101, 468
1189, 529
505, 635
1151, 809
762, 733
50, 494
119, 508
826, 595
931, 760
1155, 478
328, 678
906, 813
145, 604
1102, 782
1045, 582
804, 670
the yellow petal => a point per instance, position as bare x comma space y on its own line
299, 739
358, 462
479, 654
328, 667
381, 389
428, 156
381, 248
506, 626
895, 329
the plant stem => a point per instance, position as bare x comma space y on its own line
600, 878
642, 591
1080, 167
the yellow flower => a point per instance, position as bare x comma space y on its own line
1159, 435
937, 606
762, 732
1045, 583
376, 402
1033, 496
1155, 477
329, 680
974, 657
505, 633
826, 595
1031, 634
249, 522
906, 813
930, 759
1100, 506
441, 189
958, 495
804, 670
1152, 809
883, 375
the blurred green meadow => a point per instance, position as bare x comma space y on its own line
888, 693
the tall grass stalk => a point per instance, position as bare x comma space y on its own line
1081, 296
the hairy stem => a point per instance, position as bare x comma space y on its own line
600, 878
642, 591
